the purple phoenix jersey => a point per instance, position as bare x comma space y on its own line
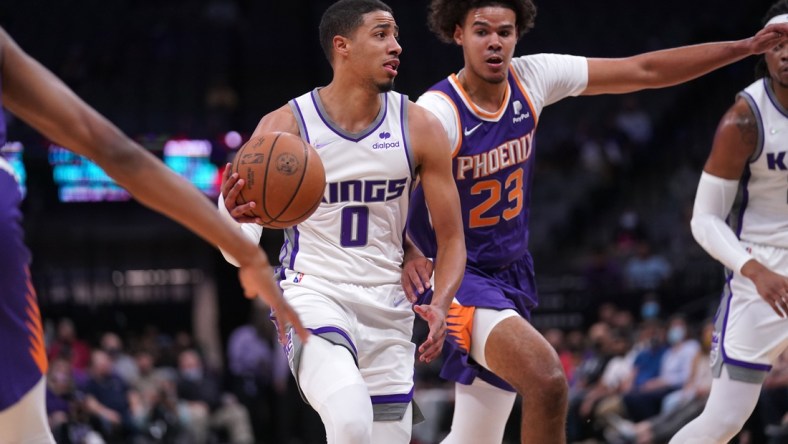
493, 169
23, 360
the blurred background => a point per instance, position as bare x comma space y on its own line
613, 191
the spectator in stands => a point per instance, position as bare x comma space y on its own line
68, 346
107, 399
200, 394
646, 271
678, 408
66, 408
259, 371
645, 400
123, 364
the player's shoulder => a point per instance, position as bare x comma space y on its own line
740, 114
420, 116
281, 119
739, 127
424, 125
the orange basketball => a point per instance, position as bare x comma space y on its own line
284, 178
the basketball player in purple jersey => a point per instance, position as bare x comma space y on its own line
490, 110
36, 96
751, 326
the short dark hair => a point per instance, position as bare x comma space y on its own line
444, 15
344, 17
779, 8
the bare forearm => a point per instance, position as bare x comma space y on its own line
449, 269
673, 66
659, 69
154, 185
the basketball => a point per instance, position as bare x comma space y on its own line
283, 176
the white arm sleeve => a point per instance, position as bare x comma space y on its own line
446, 112
713, 202
252, 231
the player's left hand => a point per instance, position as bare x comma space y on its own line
416, 274
768, 37
436, 319
771, 286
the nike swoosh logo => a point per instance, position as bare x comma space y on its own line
468, 132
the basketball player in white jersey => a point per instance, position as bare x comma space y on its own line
32, 93
490, 110
751, 328
342, 266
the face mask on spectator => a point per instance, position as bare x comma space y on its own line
649, 310
676, 335
192, 374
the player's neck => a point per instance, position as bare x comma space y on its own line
780, 92
487, 96
351, 107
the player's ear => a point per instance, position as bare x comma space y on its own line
341, 45
458, 34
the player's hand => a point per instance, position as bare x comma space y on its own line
257, 280
416, 273
232, 185
436, 319
772, 287
769, 37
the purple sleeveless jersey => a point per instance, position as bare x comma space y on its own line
23, 357
493, 170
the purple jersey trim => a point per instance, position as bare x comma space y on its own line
347, 136
321, 330
293, 253
725, 358
403, 118
393, 399
745, 180
300, 120
770, 93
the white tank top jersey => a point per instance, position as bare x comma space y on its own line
547, 78
356, 234
763, 213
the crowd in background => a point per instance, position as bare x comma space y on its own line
611, 202
634, 379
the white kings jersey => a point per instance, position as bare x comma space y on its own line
763, 213
356, 234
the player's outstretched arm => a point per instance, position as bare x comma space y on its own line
433, 154
734, 144
35, 95
670, 67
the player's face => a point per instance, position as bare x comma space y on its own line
777, 61
488, 37
375, 49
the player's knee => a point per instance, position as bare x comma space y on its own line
553, 387
547, 380
727, 426
353, 429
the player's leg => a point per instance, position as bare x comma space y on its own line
520, 355
333, 386
26, 421
481, 410
395, 431
729, 405
480, 413
387, 360
748, 338
325, 366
